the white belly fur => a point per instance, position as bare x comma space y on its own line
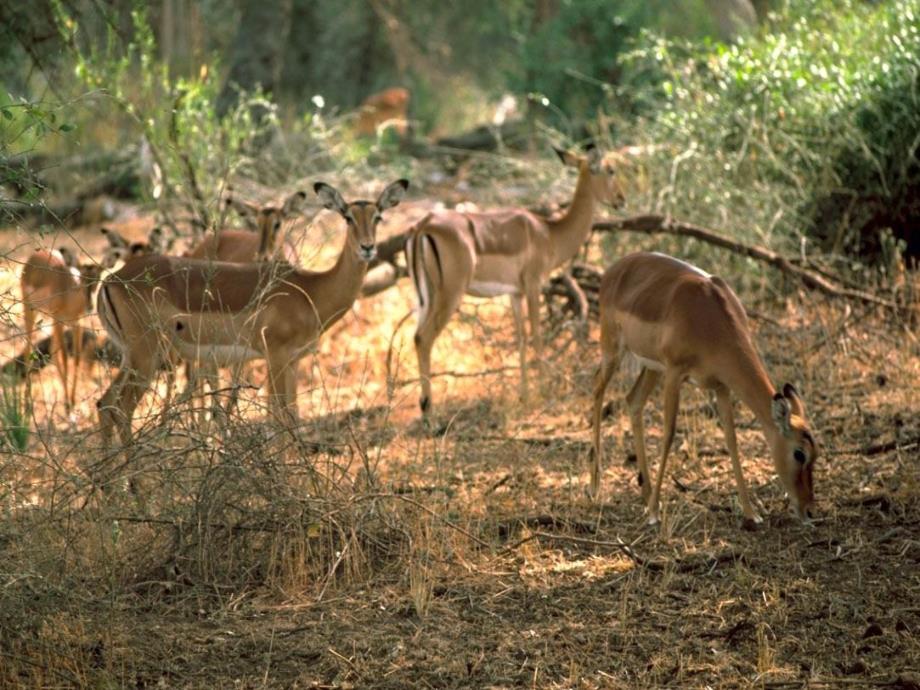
487, 289
219, 355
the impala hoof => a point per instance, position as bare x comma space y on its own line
751, 524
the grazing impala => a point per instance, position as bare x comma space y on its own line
230, 313
52, 285
245, 246
502, 252
681, 323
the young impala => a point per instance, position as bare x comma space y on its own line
245, 246
52, 285
503, 252
226, 313
681, 323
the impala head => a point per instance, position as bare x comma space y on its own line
121, 250
266, 220
794, 450
362, 216
603, 175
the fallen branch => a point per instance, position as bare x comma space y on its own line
652, 224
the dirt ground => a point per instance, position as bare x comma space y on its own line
469, 556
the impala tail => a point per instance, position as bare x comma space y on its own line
421, 252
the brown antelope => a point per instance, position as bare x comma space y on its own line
52, 285
245, 246
682, 323
502, 252
382, 110
229, 313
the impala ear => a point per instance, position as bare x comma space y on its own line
67, 256
595, 157
249, 212
567, 157
294, 202
156, 240
795, 400
781, 414
115, 239
392, 194
330, 198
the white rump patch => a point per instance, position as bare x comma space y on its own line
490, 289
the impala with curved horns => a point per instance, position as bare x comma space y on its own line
257, 243
502, 252
157, 306
682, 323
53, 285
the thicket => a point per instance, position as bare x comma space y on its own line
804, 135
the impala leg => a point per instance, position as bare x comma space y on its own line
290, 393
672, 383
635, 402
280, 375
59, 357
431, 322
727, 417
609, 364
536, 330
77, 332
517, 310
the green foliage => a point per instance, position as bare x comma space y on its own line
796, 128
191, 150
15, 411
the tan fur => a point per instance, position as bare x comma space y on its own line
52, 287
161, 308
451, 254
684, 324
244, 246
385, 109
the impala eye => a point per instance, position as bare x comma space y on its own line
277, 224
799, 456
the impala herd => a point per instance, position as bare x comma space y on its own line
239, 295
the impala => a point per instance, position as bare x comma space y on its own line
385, 109
52, 285
682, 323
502, 252
245, 246
158, 306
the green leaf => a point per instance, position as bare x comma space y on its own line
67, 127
7, 114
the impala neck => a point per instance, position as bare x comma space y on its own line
341, 284
568, 233
750, 382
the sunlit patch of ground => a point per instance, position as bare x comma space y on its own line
469, 557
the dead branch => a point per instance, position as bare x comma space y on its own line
652, 224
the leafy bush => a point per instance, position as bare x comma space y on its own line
808, 130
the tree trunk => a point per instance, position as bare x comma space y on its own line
257, 54
733, 17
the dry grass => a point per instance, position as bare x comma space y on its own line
364, 552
